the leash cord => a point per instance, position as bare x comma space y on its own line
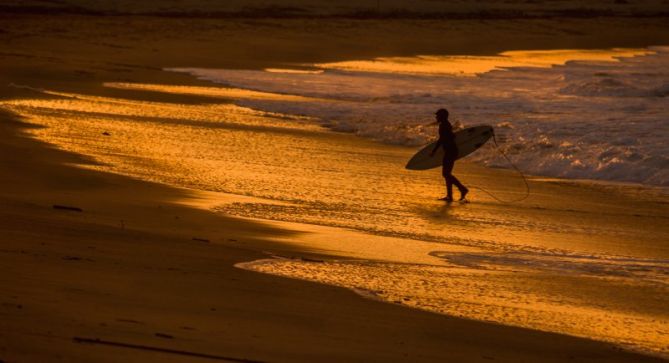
527, 185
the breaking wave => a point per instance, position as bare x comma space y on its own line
602, 119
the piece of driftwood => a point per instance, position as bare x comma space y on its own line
67, 207
162, 350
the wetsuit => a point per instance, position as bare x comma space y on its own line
447, 141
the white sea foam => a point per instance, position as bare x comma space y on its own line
596, 119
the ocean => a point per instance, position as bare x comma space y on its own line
572, 114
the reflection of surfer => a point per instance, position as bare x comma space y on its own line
447, 141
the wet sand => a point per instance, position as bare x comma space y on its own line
140, 271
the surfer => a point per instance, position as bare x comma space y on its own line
447, 141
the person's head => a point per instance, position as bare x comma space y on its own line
442, 115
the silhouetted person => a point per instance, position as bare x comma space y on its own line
447, 141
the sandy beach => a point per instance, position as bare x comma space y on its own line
111, 253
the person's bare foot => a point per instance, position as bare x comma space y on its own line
463, 193
446, 199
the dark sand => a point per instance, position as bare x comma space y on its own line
127, 270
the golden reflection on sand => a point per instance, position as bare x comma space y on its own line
220, 92
81, 105
547, 268
473, 65
594, 307
294, 71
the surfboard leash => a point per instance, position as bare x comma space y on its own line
527, 185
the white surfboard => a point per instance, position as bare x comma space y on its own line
468, 140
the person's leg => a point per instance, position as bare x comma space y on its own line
463, 189
449, 186
446, 170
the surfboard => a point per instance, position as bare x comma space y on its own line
468, 140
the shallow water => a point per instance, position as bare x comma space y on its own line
585, 259
598, 114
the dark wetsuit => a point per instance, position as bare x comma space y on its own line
447, 141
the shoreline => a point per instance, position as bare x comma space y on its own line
374, 296
32, 342
134, 267
328, 255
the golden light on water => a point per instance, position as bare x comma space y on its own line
480, 261
473, 65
